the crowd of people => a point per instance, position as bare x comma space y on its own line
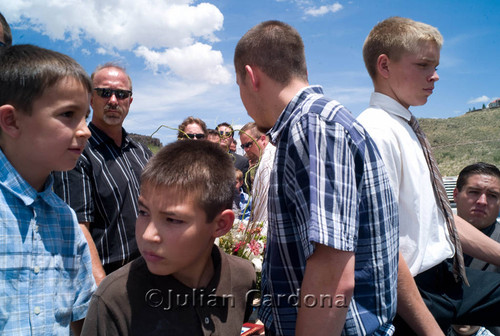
102, 237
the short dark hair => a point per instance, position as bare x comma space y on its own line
251, 130
7, 33
478, 168
276, 48
199, 168
26, 71
211, 131
224, 124
188, 121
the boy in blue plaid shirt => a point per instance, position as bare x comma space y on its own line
45, 269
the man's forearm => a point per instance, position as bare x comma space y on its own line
97, 269
411, 306
329, 273
477, 244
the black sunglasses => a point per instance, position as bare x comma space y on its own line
107, 93
195, 135
247, 144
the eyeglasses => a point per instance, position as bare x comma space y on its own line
247, 145
107, 93
195, 135
225, 134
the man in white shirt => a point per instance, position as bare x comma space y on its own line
401, 56
259, 150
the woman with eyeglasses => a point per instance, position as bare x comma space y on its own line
192, 128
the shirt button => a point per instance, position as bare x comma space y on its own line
36, 269
37, 310
207, 320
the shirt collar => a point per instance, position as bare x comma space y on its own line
285, 117
489, 229
390, 105
18, 186
222, 278
220, 283
101, 138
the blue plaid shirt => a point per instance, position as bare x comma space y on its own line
45, 269
329, 186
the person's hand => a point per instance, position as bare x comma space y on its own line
465, 330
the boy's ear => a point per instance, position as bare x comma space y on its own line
8, 120
224, 222
253, 74
383, 62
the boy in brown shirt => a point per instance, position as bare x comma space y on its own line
183, 284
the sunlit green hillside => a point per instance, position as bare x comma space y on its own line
459, 141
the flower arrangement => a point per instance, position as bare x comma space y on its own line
245, 240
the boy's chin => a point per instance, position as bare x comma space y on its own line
66, 167
157, 270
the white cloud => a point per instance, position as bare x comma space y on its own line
161, 101
195, 62
309, 8
482, 99
325, 9
105, 51
122, 24
179, 28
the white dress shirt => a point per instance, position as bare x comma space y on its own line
261, 186
424, 239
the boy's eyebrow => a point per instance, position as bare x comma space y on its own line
140, 202
429, 59
170, 213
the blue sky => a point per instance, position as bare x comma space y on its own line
179, 53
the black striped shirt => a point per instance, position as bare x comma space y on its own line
103, 190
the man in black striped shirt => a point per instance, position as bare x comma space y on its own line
104, 186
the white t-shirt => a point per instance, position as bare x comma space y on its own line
424, 239
261, 186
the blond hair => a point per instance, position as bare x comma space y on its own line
394, 37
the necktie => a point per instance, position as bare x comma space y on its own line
442, 200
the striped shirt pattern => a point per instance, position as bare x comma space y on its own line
46, 277
103, 189
329, 186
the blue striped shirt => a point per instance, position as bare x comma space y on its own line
45, 269
329, 186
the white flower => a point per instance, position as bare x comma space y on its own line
257, 263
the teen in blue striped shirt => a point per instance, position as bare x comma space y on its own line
332, 254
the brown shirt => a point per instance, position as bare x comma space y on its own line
133, 301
